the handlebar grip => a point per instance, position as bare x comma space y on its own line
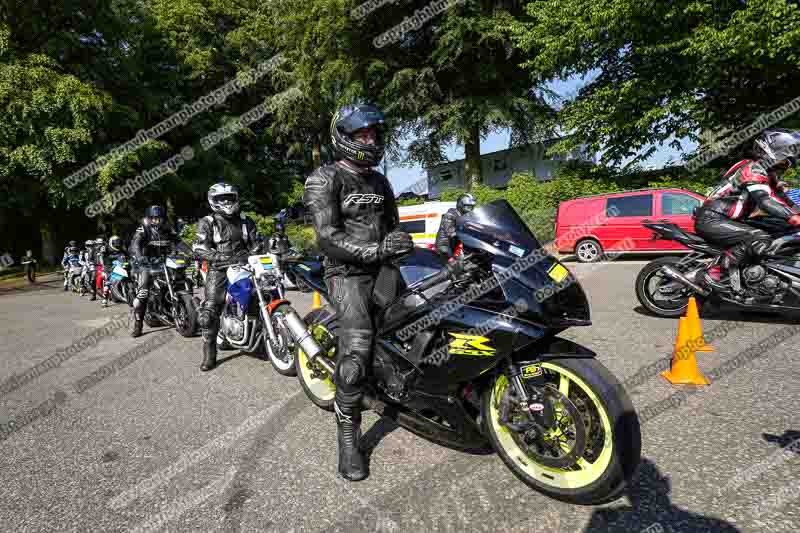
427, 283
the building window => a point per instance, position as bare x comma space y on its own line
500, 164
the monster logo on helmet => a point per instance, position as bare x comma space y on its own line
348, 120
223, 199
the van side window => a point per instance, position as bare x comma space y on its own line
640, 205
673, 203
413, 226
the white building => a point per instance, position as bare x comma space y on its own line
499, 166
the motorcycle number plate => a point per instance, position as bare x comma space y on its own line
558, 272
531, 371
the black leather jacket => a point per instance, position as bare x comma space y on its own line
352, 213
447, 230
149, 241
220, 238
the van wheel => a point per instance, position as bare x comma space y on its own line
589, 251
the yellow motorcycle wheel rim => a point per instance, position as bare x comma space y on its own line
322, 389
563, 479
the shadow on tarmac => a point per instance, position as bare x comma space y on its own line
651, 505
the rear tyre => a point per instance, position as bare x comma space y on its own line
593, 451
588, 251
650, 280
316, 383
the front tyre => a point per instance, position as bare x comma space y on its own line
660, 294
281, 353
185, 315
591, 452
315, 381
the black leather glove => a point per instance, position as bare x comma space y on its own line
395, 244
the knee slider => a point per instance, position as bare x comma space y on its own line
350, 371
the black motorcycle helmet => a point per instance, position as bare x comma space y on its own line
350, 119
155, 215
465, 204
72, 250
72, 244
777, 148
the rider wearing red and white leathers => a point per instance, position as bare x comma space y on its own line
747, 186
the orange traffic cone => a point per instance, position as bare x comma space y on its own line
696, 328
684, 369
317, 303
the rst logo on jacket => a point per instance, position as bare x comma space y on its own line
363, 199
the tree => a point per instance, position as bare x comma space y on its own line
663, 69
457, 79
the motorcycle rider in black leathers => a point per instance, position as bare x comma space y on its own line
747, 186
89, 262
447, 228
223, 236
357, 225
151, 242
279, 245
110, 253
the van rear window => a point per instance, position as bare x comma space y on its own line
413, 226
640, 205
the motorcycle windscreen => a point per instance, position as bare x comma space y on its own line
240, 292
498, 229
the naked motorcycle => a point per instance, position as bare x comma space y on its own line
256, 311
665, 285
467, 354
171, 302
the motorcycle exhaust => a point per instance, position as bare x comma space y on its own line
677, 276
299, 331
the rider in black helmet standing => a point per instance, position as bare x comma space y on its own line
356, 221
153, 240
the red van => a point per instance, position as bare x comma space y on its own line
590, 225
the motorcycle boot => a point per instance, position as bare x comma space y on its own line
352, 464
355, 345
209, 324
136, 317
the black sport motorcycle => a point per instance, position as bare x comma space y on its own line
171, 301
485, 374
773, 284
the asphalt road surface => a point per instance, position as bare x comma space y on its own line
103, 438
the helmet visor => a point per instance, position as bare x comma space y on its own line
352, 118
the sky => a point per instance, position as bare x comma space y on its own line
403, 177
